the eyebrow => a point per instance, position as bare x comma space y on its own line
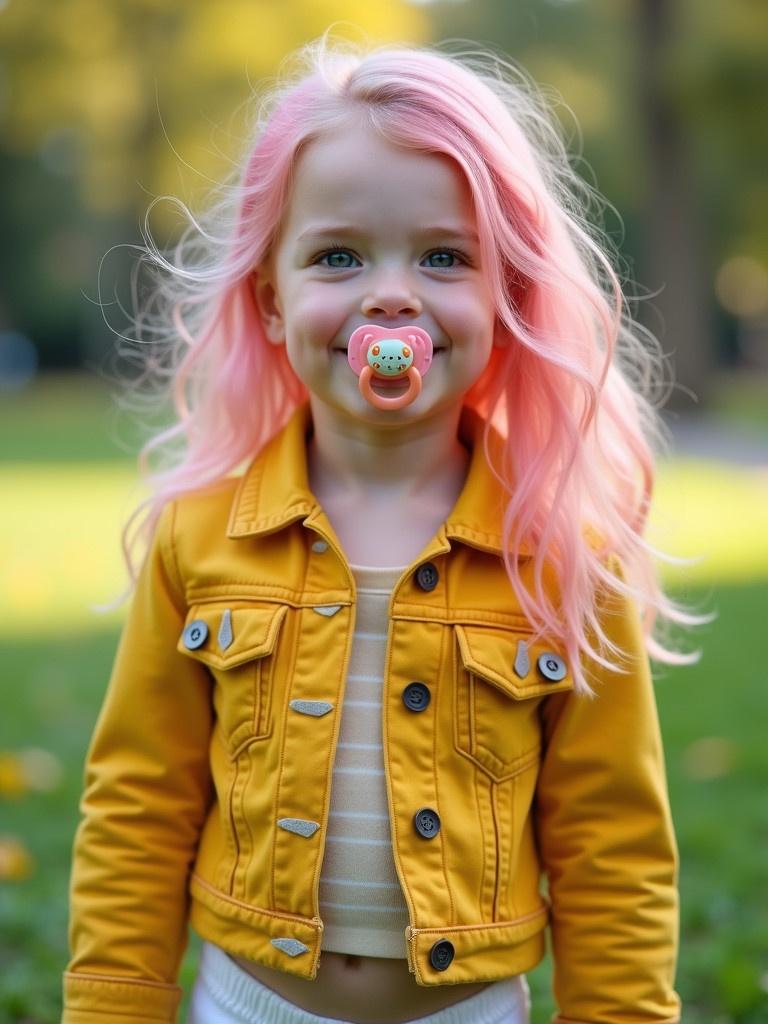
445, 230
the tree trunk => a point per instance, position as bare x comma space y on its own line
672, 245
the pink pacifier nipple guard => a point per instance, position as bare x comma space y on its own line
389, 354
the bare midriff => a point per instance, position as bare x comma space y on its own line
363, 989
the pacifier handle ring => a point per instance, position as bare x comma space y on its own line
380, 401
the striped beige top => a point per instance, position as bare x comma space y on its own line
361, 902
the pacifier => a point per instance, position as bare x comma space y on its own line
389, 355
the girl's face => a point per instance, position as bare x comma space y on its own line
375, 233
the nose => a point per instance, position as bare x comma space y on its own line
391, 294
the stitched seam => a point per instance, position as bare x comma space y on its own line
482, 832
495, 926
82, 976
252, 907
266, 591
449, 889
508, 769
461, 616
297, 631
510, 901
233, 825
497, 840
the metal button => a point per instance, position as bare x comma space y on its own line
427, 822
195, 635
427, 576
416, 696
320, 546
552, 667
441, 955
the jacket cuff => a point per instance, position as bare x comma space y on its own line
103, 999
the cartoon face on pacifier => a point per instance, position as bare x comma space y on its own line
388, 357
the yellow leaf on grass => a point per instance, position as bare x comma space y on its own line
16, 863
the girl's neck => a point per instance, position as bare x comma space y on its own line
352, 464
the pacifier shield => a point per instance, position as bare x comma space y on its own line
387, 355
392, 342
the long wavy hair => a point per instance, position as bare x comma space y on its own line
574, 395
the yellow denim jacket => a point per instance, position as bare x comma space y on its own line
208, 775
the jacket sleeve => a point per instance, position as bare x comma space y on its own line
607, 844
147, 791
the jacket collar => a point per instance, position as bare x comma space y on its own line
274, 490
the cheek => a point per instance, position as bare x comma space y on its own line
318, 315
468, 314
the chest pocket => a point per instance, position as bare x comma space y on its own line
238, 643
499, 681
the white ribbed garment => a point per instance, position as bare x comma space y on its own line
361, 902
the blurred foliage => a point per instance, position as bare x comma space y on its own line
104, 106
91, 86
714, 69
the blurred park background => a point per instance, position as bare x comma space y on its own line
104, 106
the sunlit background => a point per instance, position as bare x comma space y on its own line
104, 106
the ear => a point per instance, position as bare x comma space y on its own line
268, 305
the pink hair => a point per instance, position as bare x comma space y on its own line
572, 394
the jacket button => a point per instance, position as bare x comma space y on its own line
552, 667
416, 696
427, 822
195, 635
441, 955
427, 576
320, 546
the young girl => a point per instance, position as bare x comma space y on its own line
385, 671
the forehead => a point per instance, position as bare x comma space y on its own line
357, 174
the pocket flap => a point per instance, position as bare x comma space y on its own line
223, 634
508, 661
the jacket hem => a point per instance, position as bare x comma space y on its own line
482, 952
246, 930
